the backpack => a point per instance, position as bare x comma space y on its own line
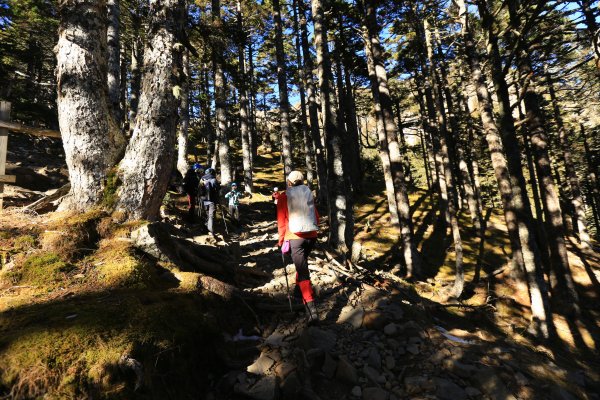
209, 190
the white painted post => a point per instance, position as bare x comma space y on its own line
4, 116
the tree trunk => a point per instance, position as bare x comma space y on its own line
313, 108
575, 190
220, 88
540, 310
136, 71
82, 102
445, 165
146, 168
244, 115
309, 152
182, 134
384, 111
341, 218
284, 104
539, 143
592, 179
114, 54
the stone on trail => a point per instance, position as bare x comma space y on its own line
375, 393
413, 349
371, 373
262, 365
417, 384
448, 390
264, 389
283, 369
390, 362
374, 320
351, 315
291, 386
472, 392
374, 358
490, 383
329, 366
460, 369
356, 391
314, 337
345, 371
390, 329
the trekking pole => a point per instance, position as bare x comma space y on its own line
287, 285
224, 223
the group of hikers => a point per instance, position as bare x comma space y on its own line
297, 220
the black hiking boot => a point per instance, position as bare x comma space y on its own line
311, 312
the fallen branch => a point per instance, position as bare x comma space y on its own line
51, 199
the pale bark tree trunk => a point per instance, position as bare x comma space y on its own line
539, 143
384, 111
446, 168
575, 190
252, 139
82, 101
146, 168
535, 280
313, 110
136, 71
222, 141
309, 152
114, 54
341, 218
284, 104
182, 134
244, 117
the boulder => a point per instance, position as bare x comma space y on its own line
352, 316
375, 393
262, 365
448, 390
314, 337
345, 371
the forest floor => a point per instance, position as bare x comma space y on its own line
86, 312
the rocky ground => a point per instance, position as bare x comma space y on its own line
377, 339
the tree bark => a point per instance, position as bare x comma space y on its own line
182, 134
146, 168
220, 100
341, 217
384, 111
593, 181
522, 254
445, 166
539, 143
244, 115
309, 151
313, 108
82, 102
136, 72
114, 58
575, 190
284, 104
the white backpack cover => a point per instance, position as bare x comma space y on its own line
301, 209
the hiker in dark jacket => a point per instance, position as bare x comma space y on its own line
209, 188
190, 187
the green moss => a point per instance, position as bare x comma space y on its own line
40, 269
23, 243
109, 196
118, 266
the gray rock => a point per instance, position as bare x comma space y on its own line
371, 373
352, 316
559, 393
415, 384
521, 379
448, 390
345, 371
410, 327
395, 311
356, 391
490, 383
390, 362
329, 366
262, 365
390, 329
264, 389
291, 386
413, 349
314, 337
437, 357
460, 369
374, 358
375, 393
472, 392
284, 368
